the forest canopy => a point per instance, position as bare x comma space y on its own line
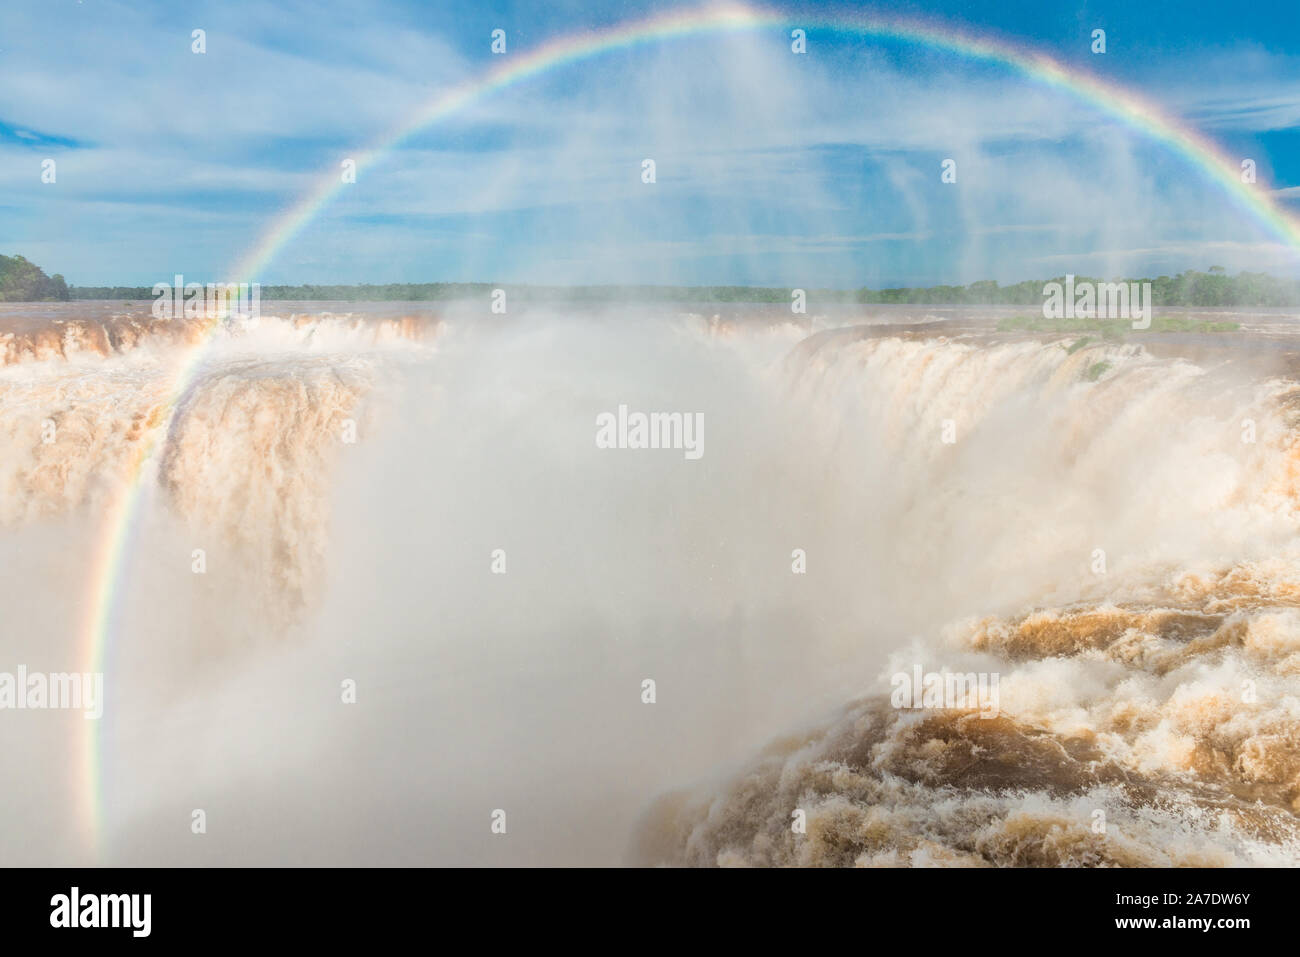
23, 281
1190, 288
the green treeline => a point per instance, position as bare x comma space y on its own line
436, 291
1191, 288
23, 281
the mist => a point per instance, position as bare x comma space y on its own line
417, 508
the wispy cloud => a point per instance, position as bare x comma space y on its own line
825, 165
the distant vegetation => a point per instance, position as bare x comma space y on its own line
23, 281
1191, 288
439, 291
1096, 371
1110, 328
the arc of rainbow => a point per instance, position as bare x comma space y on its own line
1106, 97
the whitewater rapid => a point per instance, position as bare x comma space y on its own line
1110, 527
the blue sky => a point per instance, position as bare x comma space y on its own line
819, 170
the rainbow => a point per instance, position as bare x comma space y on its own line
109, 562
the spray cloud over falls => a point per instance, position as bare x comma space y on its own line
372, 561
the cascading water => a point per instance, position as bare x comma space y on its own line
418, 506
